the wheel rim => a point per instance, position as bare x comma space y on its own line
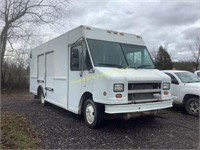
90, 113
194, 107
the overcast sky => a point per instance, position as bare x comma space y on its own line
171, 23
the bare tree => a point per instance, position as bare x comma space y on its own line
20, 18
195, 49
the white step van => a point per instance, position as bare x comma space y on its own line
98, 72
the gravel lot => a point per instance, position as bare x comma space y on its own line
60, 129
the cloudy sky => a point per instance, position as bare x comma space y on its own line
171, 23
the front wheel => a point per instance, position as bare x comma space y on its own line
93, 114
192, 106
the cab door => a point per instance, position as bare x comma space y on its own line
75, 81
79, 64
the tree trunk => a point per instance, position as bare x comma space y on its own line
3, 43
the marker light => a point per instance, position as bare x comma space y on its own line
109, 31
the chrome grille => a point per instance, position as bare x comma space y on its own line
143, 92
141, 86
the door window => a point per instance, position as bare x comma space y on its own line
80, 59
75, 63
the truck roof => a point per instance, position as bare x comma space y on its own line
103, 34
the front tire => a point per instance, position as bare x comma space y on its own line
192, 106
93, 114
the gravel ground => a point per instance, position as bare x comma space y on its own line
60, 129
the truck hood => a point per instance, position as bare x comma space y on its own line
132, 74
192, 85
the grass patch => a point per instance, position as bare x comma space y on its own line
16, 132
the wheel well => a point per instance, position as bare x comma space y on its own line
39, 89
187, 96
84, 97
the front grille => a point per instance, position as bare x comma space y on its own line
141, 86
143, 92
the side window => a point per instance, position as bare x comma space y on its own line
75, 54
174, 80
80, 59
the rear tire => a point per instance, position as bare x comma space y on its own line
93, 114
42, 98
192, 106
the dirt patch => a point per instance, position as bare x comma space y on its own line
60, 129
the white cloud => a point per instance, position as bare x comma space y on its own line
172, 23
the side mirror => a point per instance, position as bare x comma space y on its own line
174, 81
74, 59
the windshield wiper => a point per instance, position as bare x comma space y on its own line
112, 65
143, 66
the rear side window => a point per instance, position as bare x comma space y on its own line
174, 80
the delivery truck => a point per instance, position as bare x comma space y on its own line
97, 73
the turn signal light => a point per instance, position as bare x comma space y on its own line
118, 95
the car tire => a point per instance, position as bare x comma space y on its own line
192, 106
42, 98
93, 114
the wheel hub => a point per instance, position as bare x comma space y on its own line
194, 107
90, 113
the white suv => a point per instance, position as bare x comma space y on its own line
185, 90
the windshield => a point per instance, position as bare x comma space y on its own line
187, 77
112, 54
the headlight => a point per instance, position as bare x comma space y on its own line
119, 87
166, 86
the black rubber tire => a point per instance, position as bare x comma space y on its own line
98, 114
41, 94
188, 103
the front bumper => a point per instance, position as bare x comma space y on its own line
130, 108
